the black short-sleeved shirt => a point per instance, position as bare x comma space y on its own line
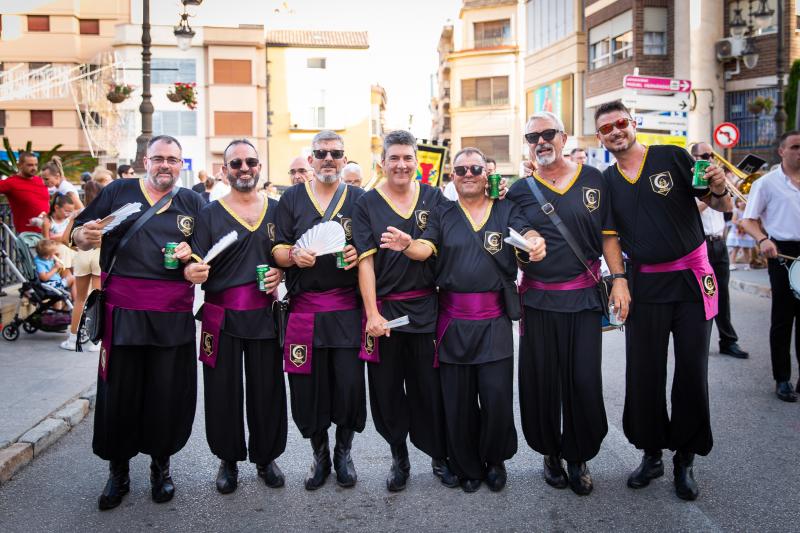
298, 210
464, 265
656, 215
394, 272
142, 258
585, 209
236, 266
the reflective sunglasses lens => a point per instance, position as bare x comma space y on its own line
549, 135
476, 170
460, 171
622, 123
251, 162
235, 164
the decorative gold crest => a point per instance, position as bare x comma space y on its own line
661, 183
186, 224
591, 198
208, 343
369, 343
271, 231
347, 226
298, 354
709, 286
421, 217
492, 241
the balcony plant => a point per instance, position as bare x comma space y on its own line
119, 92
185, 93
760, 104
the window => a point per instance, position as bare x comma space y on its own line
89, 26
316, 62
92, 118
318, 116
622, 47
169, 71
41, 118
2, 121
655, 31
548, 21
233, 71
38, 23
484, 91
494, 146
175, 123
757, 131
611, 41
492, 33
233, 123
34, 65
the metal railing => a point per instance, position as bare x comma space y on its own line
8, 251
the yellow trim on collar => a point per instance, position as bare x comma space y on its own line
150, 200
565, 189
394, 208
609, 232
638, 173
426, 242
486, 215
242, 221
316, 203
368, 253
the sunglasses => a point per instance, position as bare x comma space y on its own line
547, 135
706, 157
620, 124
294, 171
322, 154
475, 170
236, 164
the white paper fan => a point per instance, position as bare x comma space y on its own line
220, 245
516, 240
118, 217
324, 238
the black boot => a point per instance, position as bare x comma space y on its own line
321, 467
117, 486
554, 473
227, 477
651, 467
580, 480
272, 475
442, 470
496, 477
342, 462
399, 472
162, 489
685, 485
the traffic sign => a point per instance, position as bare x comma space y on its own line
726, 135
665, 120
655, 103
656, 83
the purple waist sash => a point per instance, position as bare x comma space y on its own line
137, 294
697, 262
465, 306
242, 298
582, 281
370, 346
297, 348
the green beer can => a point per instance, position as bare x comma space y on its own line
699, 180
494, 186
340, 262
261, 277
170, 261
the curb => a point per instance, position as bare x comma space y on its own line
751, 288
15, 455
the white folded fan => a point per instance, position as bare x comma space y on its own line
397, 322
220, 245
324, 238
120, 215
517, 241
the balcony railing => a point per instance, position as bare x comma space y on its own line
485, 102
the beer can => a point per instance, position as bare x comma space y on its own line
170, 261
494, 186
340, 262
613, 315
699, 180
261, 276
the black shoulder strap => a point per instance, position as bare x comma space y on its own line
495, 261
549, 210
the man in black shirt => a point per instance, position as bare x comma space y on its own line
673, 291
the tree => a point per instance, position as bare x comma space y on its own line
73, 164
790, 97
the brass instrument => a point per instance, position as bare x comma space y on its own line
740, 185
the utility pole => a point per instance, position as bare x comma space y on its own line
780, 114
146, 107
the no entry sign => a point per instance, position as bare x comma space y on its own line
726, 135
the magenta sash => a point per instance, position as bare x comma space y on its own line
465, 306
697, 262
136, 294
297, 348
370, 346
242, 298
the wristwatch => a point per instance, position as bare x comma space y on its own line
617, 276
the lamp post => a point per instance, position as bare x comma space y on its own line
780, 114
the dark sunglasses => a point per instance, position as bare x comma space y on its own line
547, 135
620, 124
236, 164
322, 154
706, 157
475, 170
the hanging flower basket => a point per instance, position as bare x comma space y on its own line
183, 92
760, 104
119, 92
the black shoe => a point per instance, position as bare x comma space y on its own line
227, 477
783, 390
470, 485
162, 489
117, 486
651, 467
398, 474
580, 480
554, 473
496, 477
271, 474
321, 467
685, 485
345, 469
442, 471
733, 350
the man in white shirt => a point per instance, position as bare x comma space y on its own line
775, 202
221, 187
714, 227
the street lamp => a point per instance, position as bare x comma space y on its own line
738, 27
184, 33
763, 15
750, 54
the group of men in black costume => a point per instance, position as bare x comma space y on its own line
446, 378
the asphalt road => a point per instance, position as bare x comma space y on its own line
749, 482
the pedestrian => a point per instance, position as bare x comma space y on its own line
238, 330
560, 359
27, 194
200, 187
53, 176
125, 172
578, 156
209, 185
300, 170
673, 291
326, 377
50, 270
738, 241
56, 224
147, 377
474, 340
103, 176
351, 174
774, 203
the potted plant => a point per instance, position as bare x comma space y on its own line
760, 104
183, 92
118, 92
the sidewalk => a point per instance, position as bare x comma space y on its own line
751, 281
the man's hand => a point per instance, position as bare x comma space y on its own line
768, 248
538, 248
196, 273
304, 258
91, 235
273, 278
620, 297
716, 179
503, 188
350, 256
183, 252
395, 239
375, 324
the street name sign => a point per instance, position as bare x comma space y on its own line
656, 103
656, 83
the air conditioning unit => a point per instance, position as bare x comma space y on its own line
729, 48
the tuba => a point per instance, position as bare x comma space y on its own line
739, 185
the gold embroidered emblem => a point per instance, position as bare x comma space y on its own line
661, 183
421, 217
103, 358
208, 343
369, 343
493, 241
185, 224
271, 231
298, 354
347, 226
709, 286
591, 198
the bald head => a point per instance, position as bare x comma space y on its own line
701, 150
299, 170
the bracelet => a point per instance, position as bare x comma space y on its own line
618, 276
407, 247
762, 240
715, 195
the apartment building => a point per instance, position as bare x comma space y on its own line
441, 131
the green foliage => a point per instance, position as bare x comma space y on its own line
790, 97
74, 163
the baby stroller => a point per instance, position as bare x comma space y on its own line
43, 297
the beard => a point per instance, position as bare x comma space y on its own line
244, 182
615, 150
323, 178
547, 159
161, 182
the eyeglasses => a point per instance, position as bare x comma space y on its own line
475, 170
322, 154
548, 135
236, 164
171, 161
294, 171
620, 124
706, 157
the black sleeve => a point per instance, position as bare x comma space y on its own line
609, 226
284, 220
363, 237
432, 233
202, 235
517, 220
100, 207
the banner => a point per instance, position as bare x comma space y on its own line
430, 161
656, 138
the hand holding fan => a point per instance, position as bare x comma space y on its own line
220, 246
325, 238
119, 216
516, 240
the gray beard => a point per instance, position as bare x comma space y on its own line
239, 185
328, 179
549, 160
